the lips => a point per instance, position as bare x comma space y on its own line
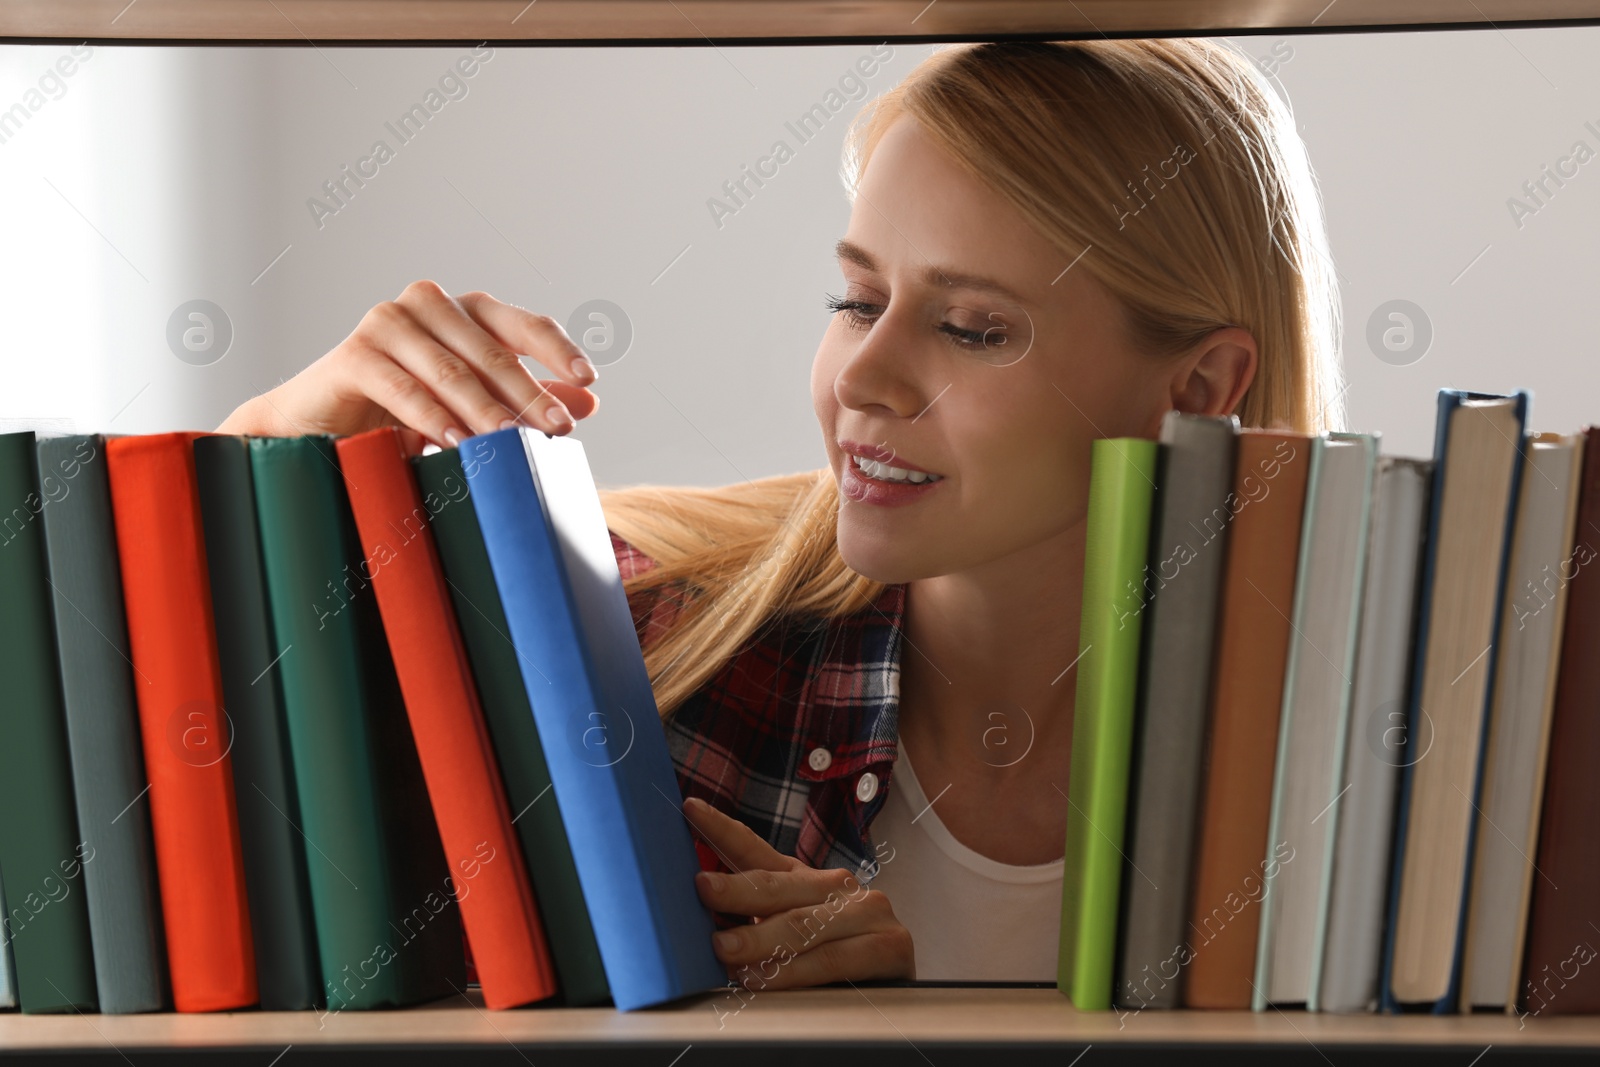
861, 487
882, 455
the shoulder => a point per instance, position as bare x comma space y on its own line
653, 609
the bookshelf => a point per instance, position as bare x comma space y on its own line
893, 1023
940, 1025
769, 21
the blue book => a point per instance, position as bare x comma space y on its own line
1477, 471
596, 714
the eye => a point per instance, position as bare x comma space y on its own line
852, 311
855, 313
992, 337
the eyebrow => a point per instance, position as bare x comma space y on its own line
948, 278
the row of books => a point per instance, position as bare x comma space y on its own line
312, 722
1336, 720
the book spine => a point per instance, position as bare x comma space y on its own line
1559, 976
287, 970
380, 890
46, 924
1117, 538
1452, 995
497, 905
1190, 521
1349, 978
634, 853
523, 769
1449, 404
1337, 812
102, 727
185, 730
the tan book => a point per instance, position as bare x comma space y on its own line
1477, 461
1234, 859
1543, 564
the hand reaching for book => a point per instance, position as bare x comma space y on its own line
446, 366
808, 927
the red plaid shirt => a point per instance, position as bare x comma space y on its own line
795, 736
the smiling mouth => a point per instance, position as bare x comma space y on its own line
883, 472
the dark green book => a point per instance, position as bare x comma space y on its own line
41, 855
535, 810
287, 971
388, 928
130, 965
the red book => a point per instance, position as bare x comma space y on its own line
186, 733
513, 963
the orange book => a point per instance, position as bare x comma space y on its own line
186, 733
502, 924
1234, 861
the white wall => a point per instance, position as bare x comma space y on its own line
155, 176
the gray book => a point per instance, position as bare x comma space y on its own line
103, 736
1377, 744
1193, 508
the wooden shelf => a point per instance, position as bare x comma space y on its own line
693, 22
971, 1019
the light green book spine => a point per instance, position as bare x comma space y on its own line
1122, 481
1341, 755
1311, 520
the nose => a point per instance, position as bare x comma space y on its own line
876, 377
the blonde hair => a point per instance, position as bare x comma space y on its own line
1175, 172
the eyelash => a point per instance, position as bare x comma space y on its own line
853, 308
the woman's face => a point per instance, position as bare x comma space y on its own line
978, 353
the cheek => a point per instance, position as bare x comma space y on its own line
824, 368
1025, 464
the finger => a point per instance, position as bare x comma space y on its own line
886, 953
538, 336
765, 892
450, 379
493, 360
579, 402
802, 929
740, 847
401, 395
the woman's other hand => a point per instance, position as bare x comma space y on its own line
809, 927
446, 366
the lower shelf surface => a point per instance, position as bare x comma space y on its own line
894, 1023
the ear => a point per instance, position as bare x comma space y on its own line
1212, 379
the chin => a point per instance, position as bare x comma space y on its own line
871, 557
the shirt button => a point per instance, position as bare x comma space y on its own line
820, 759
866, 787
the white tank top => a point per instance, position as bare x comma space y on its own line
971, 918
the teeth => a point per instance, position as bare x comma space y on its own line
883, 472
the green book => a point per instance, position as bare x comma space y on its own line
103, 732
42, 855
1117, 534
535, 810
287, 973
388, 928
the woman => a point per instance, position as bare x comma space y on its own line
1049, 243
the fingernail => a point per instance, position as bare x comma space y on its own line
583, 369
452, 436
560, 419
509, 424
714, 881
728, 940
